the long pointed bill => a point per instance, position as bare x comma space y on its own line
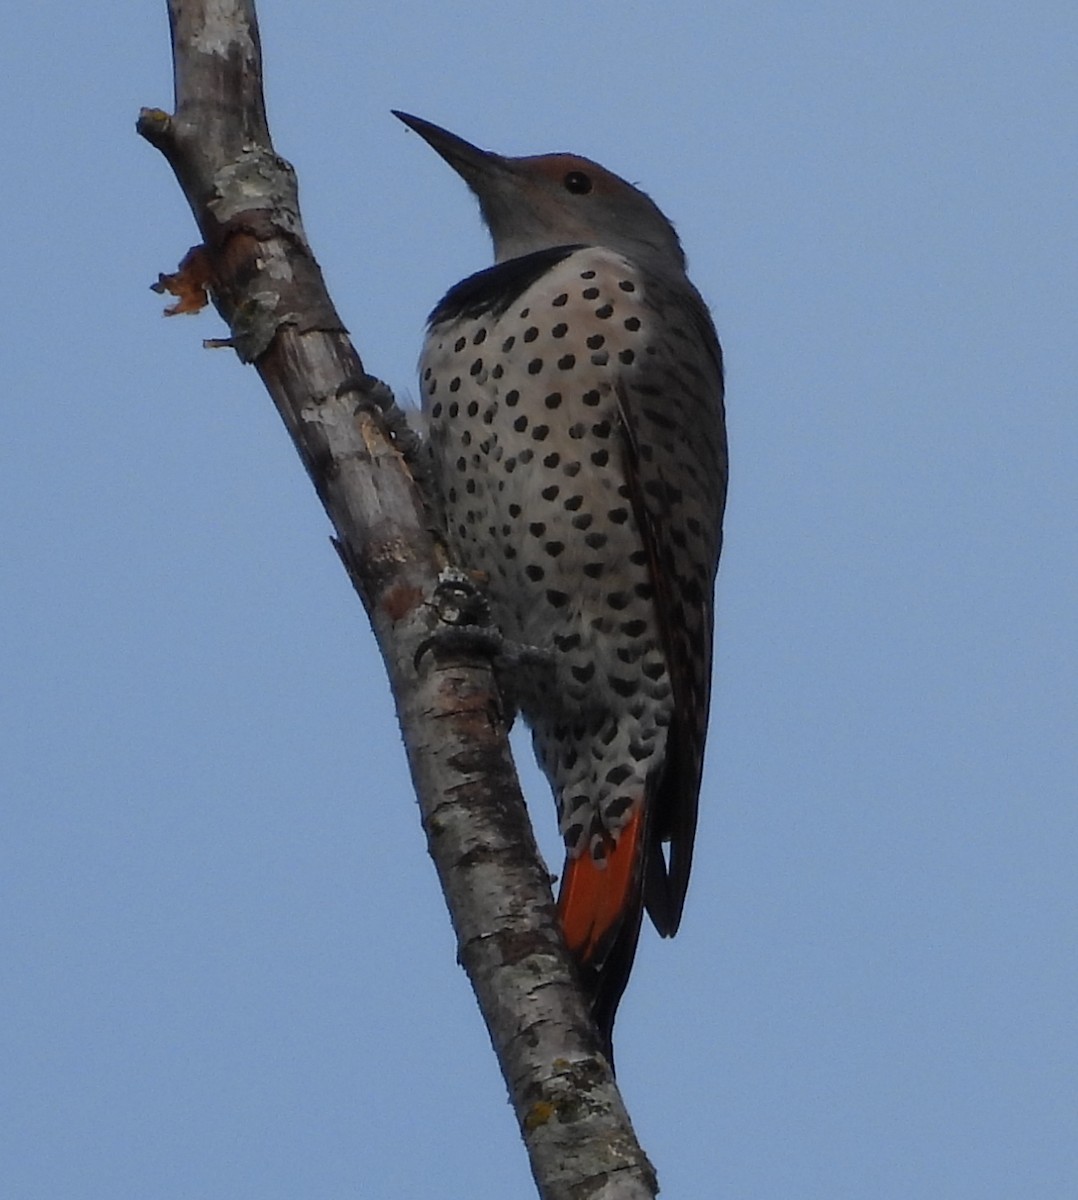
467, 160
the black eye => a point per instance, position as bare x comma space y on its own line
578, 183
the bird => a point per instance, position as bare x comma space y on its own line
574, 401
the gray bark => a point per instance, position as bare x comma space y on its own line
264, 281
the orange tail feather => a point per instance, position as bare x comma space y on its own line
595, 898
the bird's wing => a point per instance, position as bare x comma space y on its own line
671, 407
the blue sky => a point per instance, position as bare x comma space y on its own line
227, 969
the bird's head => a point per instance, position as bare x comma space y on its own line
550, 200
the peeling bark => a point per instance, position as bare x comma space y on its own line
260, 273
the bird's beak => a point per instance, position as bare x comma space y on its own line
469, 162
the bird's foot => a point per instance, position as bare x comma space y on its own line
464, 619
467, 628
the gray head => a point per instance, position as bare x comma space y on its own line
556, 200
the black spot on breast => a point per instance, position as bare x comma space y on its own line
618, 600
560, 301
584, 674
512, 398
520, 423
553, 548
459, 344
537, 528
572, 503
614, 808
550, 493
582, 520
559, 330
556, 598
623, 687
590, 293
534, 572
553, 400
626, 356
531, 334
566, 362
632, 324
535, 366
600, 457
604, 311
540, 432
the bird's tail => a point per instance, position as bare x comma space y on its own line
600, 906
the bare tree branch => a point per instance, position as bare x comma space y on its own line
266, 284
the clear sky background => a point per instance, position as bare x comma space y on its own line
225, 967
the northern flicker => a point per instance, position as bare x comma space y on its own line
574, 396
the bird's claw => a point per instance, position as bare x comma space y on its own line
462, 608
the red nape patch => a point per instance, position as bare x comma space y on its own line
593, 897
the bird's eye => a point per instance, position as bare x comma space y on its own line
578, 183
